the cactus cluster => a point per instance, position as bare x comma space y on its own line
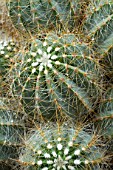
56, 94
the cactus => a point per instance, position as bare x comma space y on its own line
105, 117
63, 146
57, 75
33, 15
11, 133
99, 29
104, 120
7, 50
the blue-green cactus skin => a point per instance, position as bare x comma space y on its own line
62, 147
33, 15
57, 75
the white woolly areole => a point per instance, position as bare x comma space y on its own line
43, 58
39, 162
59, 146
66, 151
54, 154
70, 143
45, 168
46, 155
49, 146
49, 162
71, 167
39, 152
77, 152
77, 162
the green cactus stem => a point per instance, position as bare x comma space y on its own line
11, 133
34, 15
57, 75
53, 147
105, 117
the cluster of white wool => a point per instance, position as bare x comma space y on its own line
7, 46
43, 58
57, 156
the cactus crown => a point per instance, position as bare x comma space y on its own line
54, 73
62, 148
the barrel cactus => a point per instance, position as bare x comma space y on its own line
8, 49
99, 29
11, 132
33, 15
62, 147
105, 117
57, 76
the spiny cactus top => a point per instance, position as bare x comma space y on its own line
35, 15
56, 75
62, 148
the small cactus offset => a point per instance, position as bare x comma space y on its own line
62, 147
33, 15
57, 75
